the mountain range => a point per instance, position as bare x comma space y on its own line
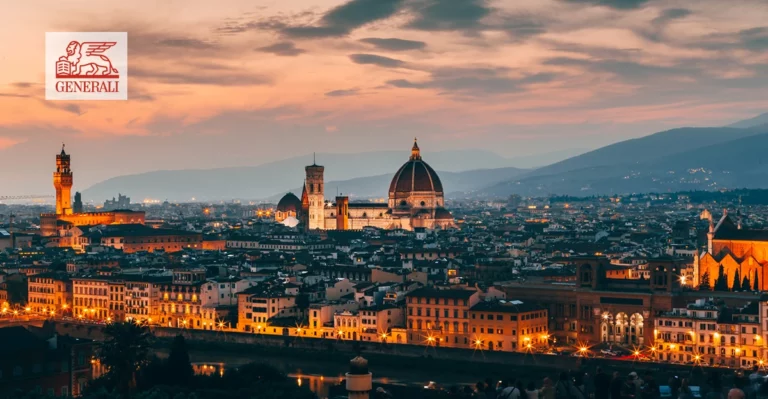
362, 175
704, 158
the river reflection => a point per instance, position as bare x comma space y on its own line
319, 384
209, 368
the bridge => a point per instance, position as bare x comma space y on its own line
23, 197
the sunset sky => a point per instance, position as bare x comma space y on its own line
235, 82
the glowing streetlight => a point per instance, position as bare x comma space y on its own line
682, 280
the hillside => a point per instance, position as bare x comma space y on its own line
642, 149
265, 180
455, 184
733, 163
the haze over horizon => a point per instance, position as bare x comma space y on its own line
240, 84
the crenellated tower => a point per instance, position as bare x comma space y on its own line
62, 182
315, 196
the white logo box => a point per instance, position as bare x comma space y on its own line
86, 66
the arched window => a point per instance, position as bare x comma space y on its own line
403, 203
423, 203
365, 215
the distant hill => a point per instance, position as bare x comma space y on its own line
454, 183
674, 160
761, 119
265, 180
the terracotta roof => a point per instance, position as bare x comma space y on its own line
289, 203
415, 175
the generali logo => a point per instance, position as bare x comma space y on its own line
86, 65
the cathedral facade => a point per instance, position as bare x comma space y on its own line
739, 254
415, 199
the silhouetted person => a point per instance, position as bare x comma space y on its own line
602, 382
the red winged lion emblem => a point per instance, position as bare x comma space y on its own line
86, 59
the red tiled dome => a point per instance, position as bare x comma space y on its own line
443, 214
415, 175
289, 203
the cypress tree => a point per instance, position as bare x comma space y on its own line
721, 284
704, 284
756, 282
745, 284
736, 284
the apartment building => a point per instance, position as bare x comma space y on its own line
440, 317
705, 333
49, 293
509, 326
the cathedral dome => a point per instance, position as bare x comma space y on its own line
415, 176
443, 214
289, 203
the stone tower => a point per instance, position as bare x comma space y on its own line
62, 182
315, 196
359, 379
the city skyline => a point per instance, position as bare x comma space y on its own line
223, 86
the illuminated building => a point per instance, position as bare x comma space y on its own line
595, 308
60, 222
509, 326
707, 334
415, 199
132, 238
734, 251
440, 317
180, 301
49, 292
90, 297
258, 306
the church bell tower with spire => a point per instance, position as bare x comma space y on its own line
313, 186
62, 182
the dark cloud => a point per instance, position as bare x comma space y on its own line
449, 15
394, 44
285, 49
522, 26
474, 81
628, 70
753, 39
617, 4
672, 14
342, 93
345, 18
186, 43
373, 59
66, 107
196, 77
14, 95
22, 85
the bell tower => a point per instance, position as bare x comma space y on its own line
315, 196
62, 182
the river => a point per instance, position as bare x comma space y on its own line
321, 376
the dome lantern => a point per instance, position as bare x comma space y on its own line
415, 152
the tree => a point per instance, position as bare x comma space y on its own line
746, 285
704, 284
179, 368
756, 282
736, 283
721, 284
124, 352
